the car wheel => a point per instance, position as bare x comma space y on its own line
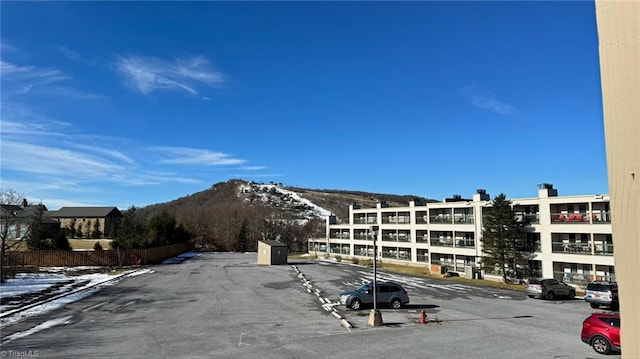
595, 305
614, 306
396, 304
600, 344
551, 296
531, 296
572, 294
355, 304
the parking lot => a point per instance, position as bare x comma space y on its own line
223, 305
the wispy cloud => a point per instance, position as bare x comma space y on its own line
70, 54
46, 156
182, 75
23, 79
184, 155
253, 168
485, 100
19, 72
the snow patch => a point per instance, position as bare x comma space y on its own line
46, 325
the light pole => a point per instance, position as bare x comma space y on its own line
375, 317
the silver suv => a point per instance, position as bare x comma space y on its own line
602, 293
548, 288
389, 293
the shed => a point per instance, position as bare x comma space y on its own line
272, 252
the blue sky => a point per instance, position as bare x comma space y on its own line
135, 103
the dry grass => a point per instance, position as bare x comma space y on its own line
84, 244
76, 244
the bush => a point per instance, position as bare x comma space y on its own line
97, 246
326, 256
355, 260
366, 262
338, 258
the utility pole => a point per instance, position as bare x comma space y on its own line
375, 317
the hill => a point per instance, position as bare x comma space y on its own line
300, 203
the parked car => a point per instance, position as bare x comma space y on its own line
602, 332
602, 293
388, 293
548, 288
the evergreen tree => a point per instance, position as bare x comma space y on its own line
162, 229
71, 228
60, 242
502, 238
131, 230
40, 232
96, 229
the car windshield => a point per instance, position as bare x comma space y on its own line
364, 288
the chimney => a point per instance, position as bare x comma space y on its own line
481, 195
546, 190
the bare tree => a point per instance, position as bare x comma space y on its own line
14, 228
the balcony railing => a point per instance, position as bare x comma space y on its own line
369, 220
574, 248
442, 242
364, 237
422, 258
465, 243
528, 217
396, 238
605, 249
396, 220
405, 256
463, 219
440, 219
421, 220
422, 239
570, 217
601, 217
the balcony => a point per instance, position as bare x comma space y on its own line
602, 217
440, 219
463, 218
363, 237
465, 243
533, 218
603, 249
367, 220
442, 242
576, 218
571, 248
339, 235
396, 220
396, 237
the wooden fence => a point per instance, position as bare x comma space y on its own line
99, 258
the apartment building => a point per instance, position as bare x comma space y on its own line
570, 236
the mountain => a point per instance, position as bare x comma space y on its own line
300, 203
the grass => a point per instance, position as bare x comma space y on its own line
83, 244
421, 271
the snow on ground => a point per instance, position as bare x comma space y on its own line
61, 280
317, 210
46, 325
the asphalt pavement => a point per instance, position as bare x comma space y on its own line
223, 305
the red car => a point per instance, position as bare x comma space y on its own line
602, 332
